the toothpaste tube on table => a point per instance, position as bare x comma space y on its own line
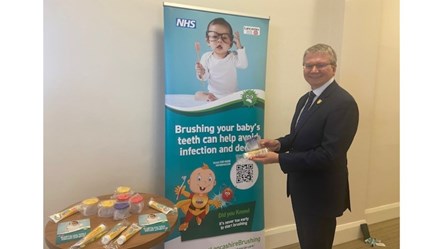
65, 213
90, 237
114, 232
160, 207
128, 233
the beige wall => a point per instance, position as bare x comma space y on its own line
104, 98
385, 144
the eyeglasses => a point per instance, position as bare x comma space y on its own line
318, 66
214, 36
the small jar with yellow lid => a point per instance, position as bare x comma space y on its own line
106, 208
123, 190
89, 206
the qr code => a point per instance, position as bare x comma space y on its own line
244, 173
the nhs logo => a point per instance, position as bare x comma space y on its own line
185, 23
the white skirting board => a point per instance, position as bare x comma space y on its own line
382, 213
286, 235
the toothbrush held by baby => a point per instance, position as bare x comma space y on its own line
199, 68
198, 50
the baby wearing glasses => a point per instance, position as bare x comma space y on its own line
218, 66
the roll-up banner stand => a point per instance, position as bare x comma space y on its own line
215, 65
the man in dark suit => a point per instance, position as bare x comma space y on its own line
314, 153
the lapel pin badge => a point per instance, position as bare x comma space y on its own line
319, 101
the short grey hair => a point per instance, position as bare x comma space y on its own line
322, 48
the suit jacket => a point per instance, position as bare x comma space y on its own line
316, 153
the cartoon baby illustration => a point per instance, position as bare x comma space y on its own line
201, 182
73, 226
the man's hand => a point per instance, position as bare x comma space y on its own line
271, 144
269, 157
